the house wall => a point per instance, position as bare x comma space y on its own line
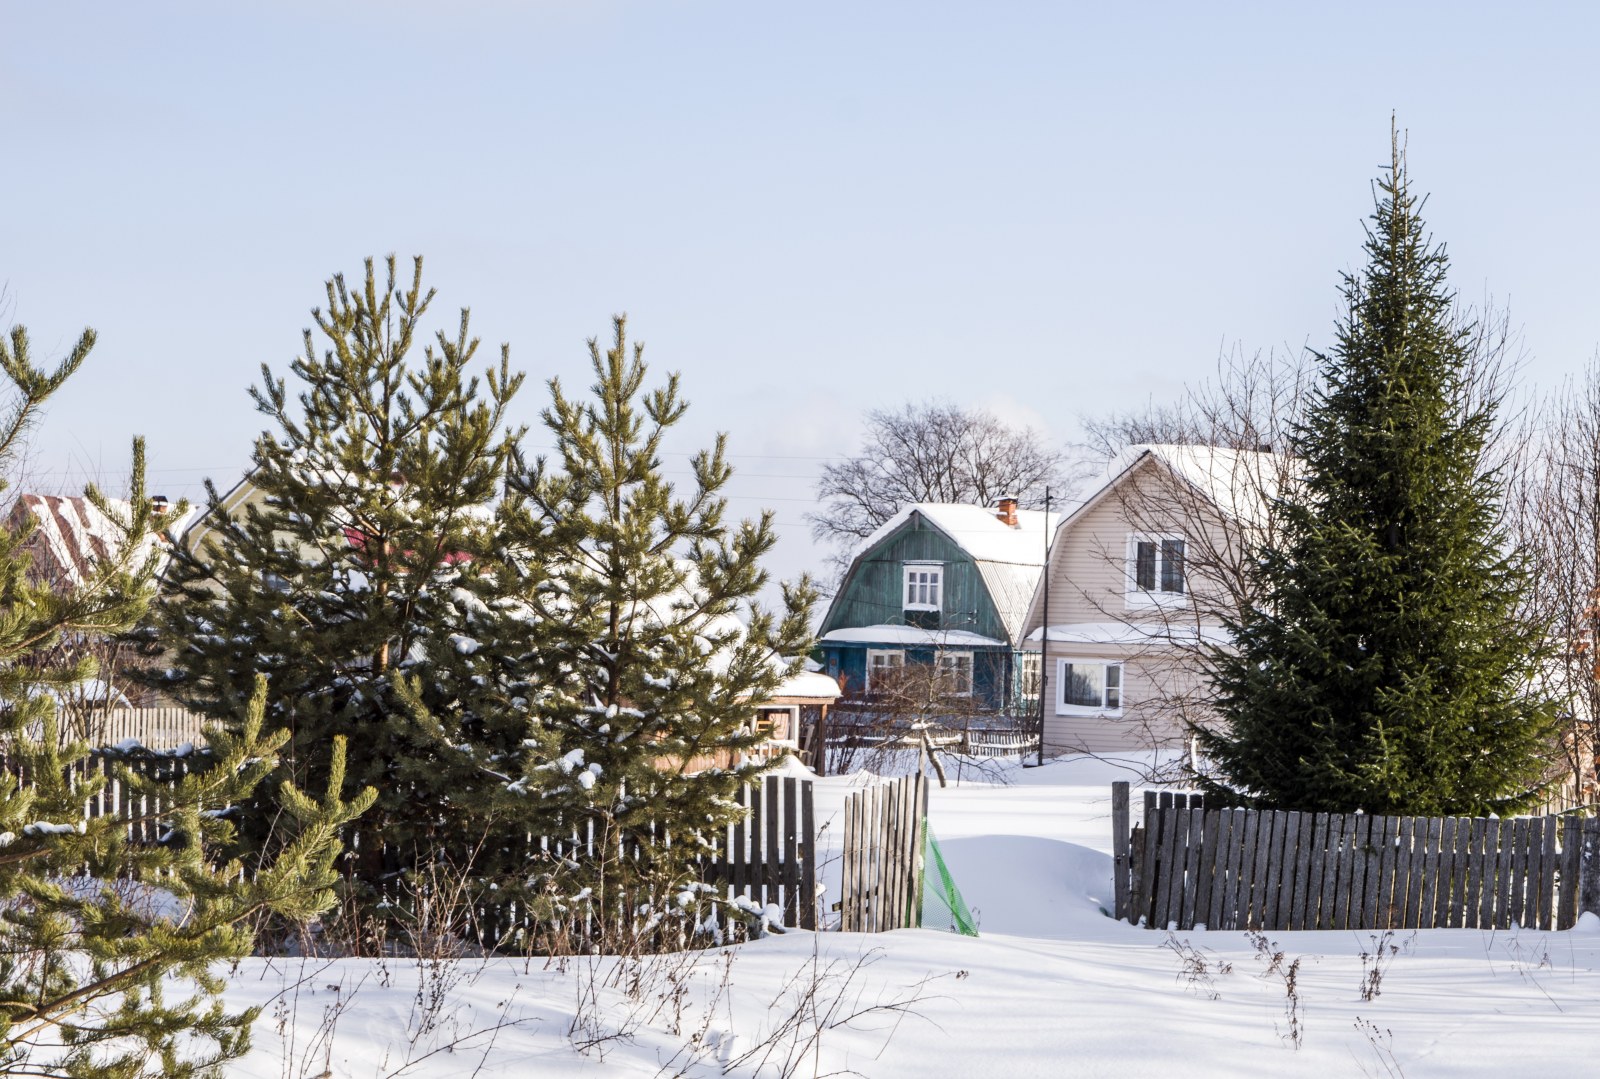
991, 669
1088, 562
1160, 692
874, 592
1162, 687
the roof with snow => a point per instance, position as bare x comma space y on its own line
72, 534
977, 531
1008, 560
808, 684
1241, 483
911, 635
1130, 633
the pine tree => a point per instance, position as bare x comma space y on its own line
360, 580
97, 933
644, 681
1388, 667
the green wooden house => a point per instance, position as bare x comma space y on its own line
945, 587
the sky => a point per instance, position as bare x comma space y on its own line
1053, 211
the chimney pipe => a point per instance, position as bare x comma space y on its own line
1008, 512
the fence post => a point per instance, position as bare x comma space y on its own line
1589, 868
1119, 847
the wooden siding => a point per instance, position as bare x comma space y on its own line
873, 592
1087, 573
1149, 684
991, 668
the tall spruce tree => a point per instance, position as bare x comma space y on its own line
359, 577
107, 946
1388, 667
644, 683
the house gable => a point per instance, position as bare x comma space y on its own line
874, 590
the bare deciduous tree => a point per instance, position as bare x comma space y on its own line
1555, 511
931, 452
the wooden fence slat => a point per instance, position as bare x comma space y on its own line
808, 871
1192, 889
1488, 863
1270, 823
1295, 913
1548, 862
1119, 848
1152, 856
1280, 870
1518, 872
1589, 868
772, 847
1428, 894
1138, 889
1333, 903
1380, 909
1460, 903
1236, 903
1310, 914
791, 867
1223, 839
1166, 825
1355, 872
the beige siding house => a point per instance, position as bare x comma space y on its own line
1138, 579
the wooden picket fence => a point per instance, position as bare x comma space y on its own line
769, 857
1187, 866
884, 834
1000, 743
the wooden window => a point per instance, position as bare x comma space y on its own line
923, 584
883, 664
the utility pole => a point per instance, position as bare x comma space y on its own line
1044, 624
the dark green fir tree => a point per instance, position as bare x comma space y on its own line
108, 947
355, 569
1389, 666
647, 677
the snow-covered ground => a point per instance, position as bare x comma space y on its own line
1052, 987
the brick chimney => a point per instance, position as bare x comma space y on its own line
1008, 512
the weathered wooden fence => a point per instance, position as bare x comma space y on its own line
771, 857
881, 882
1000, 743
1186, 866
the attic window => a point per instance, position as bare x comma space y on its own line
1155, 566
923, 583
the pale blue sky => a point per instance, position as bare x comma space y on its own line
1049, 209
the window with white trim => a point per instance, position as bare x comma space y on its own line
1028, 677
923, 583
955, 673
1155, 567
1088, 687
882, 667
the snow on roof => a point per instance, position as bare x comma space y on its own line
978, 531
1239, 482
72, 534
911, 635
808, 684
1008, 559
1131, 633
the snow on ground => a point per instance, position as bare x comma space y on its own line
1052, 987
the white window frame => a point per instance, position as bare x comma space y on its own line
935, 571
900, 653
1157, 596
1030, 663
946, 660
1111, 686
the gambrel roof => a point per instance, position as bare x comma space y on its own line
1008, 560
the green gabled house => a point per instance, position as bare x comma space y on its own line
944, 586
